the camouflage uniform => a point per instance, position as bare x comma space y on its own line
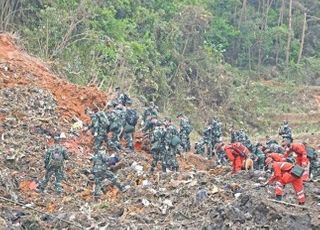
258, 157
117, 122
170, 160
99, 127
124, 99
285, 132
200, 147
152, 110
100, 170
207, 138
234, 136
314, 164
129, 131
216, 139
274, 146
121, 98
149, 125
158, 147
53, 163
244, 139
185, 130
221, 155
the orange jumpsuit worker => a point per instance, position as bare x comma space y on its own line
236, 153
282, 175
276, 157
302, 159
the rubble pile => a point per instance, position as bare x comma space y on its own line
34, 105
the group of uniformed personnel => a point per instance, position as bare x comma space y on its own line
119, 120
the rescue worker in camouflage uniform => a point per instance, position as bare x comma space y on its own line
285, 132
122, 98
100, 170
221, 155
258, 157
273, 145
53, 163
158, 146
207, 138
200, 147
234, 135
99, 128
217, 138
312, 156
185, 130
117, 122
244, 139
172, 142
151, 110
129, 128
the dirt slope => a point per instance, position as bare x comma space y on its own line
20, 69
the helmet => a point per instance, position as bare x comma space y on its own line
268, 160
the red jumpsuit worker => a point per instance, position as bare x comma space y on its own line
276, 157
282, 175
236, 153
302, 159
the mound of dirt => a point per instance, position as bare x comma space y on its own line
19, 69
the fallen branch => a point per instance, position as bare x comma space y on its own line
22, 205
293, 205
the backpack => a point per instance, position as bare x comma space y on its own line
56, 158
175, 140
132, 117
311, 153
297, 171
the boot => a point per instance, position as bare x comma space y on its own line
279, 197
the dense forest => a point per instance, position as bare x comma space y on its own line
243, 60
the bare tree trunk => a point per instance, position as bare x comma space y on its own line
289, 33
280, 22
302, 37
8, 10
266, 13
249, 54
243, 12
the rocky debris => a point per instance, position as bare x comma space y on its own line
34, 105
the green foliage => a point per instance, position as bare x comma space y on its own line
188, 55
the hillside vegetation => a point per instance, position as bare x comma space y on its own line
245, 61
